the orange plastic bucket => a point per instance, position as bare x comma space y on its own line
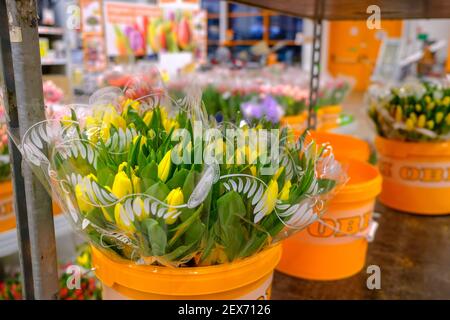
7, 216
336, 248
416, 175
298, 122
344, 146
249, 279
328, 117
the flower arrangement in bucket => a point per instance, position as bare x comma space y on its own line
162, 192
413, 125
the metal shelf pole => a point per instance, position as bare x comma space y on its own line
314, 81
20, 206
26, 107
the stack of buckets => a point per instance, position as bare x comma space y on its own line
335, 246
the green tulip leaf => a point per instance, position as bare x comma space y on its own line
156, 236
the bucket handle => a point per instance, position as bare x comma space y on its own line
369, 235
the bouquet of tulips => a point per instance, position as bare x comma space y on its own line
155, 181
412, 112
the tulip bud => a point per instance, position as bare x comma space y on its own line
398, 114
169, 124
148, 117
270, 196
139, 209
164, 166
284, 193
430, 124
66, 120
122, 185
409, 124
446, 101
124, 219
439, 117
134, 104
421, 121
84, 203
81, 190
136, 183
173, 199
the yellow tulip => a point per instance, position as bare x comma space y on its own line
430, 124
164, 114
278, 173
409, 124
83, 200
164, 166
123, 219
130, 103
142, 214
84, 203
169, 124
93, 128
142, 142
165, 77
66, 120
136, 183
83, 259
421, 121
240, 156
111, 117
284, 193
446, 101
148, 117
439, 117
253, 170
447, 119
418, 107
104, 133
174, 198
398, 114
122, 185
92, 122
270, 196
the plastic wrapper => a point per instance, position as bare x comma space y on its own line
413, 111
152, 180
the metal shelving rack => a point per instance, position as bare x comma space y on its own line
21, 70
